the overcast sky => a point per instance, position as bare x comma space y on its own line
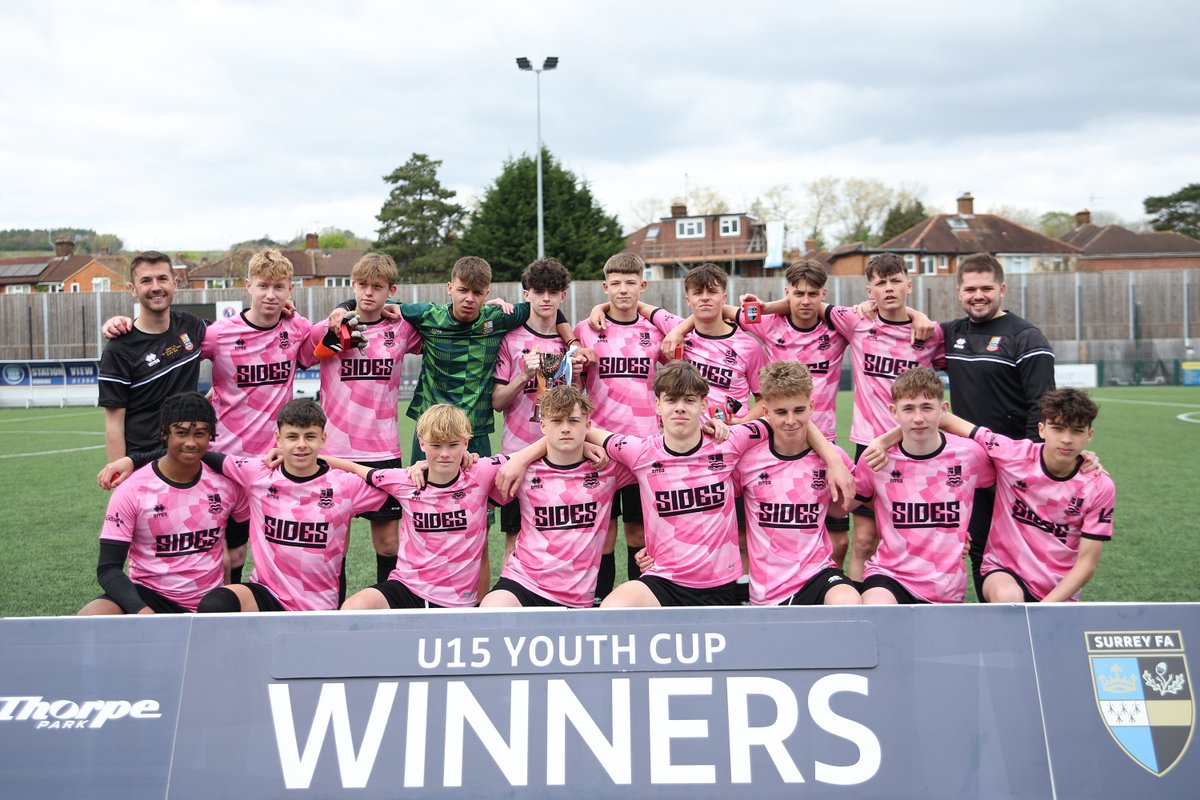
195, 125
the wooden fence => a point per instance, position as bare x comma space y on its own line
1068, 307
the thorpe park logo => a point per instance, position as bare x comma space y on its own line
640, 732
63, 714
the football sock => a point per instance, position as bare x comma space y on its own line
607, 576
633, 569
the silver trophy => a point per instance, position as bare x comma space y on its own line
554, 370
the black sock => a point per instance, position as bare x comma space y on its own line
383, 567
633, 570
219, 601
235, 574
342, 583
607, 576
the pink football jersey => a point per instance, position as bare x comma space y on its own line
176, 533
299, 529
443, 531
787, 498
820, 348
360, 392
922, 507
687, 503
729, 363
564, 518
1039, 518
519, 432
880, 351
621, 383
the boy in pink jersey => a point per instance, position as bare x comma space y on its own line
300, 520
1052, 515
627, 340
564, 514
786, 490
514, 392
924, 499
445, 521
170, 521
360, 391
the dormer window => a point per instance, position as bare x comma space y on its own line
689, 229
731, 226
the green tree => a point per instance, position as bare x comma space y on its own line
1056, 224
901, 216
419, 221
503, 228
107, 243
1179, 212
334, 240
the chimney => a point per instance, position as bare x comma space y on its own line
64, 247
810, 245
1083, 218
312, 241
678, 210
966, 204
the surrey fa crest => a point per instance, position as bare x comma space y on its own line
1144, 694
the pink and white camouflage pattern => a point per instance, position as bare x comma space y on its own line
879, 352
787, 499
299, 529
443, 531
360, 392
252, 374
564, 519
519, 432
922, 507
1039, 518
821, 349
687, 503
176, 534
621, 382
729, 363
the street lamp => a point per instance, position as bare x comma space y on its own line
525, 65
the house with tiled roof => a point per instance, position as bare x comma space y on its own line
934, 245
65, 271
1113, 247
675, 244
314, 266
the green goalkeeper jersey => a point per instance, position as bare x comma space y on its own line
459, 358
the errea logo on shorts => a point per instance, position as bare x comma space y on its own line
62, 714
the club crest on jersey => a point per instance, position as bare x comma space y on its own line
1144, 694
818, 479
591, 480
1074, 507
644, 339
730, 357
325, 499
285, 341
239, 343
993, 344
823, 341
214, 503
187, 342
488, 327
954, 476
716, 462
389, 338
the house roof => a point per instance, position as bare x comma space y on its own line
962, 234
1112, 240
306, 263
22, 269
62, 267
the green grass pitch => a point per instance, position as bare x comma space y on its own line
53, 509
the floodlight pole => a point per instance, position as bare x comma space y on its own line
527, 66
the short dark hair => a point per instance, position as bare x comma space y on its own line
705, 276
301, 413
918, 382
1069, 407
885, 265
981, 262
679, 379
148, 257
546, 275
186, 407
809, 271
473, 271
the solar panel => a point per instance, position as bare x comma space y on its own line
21, 270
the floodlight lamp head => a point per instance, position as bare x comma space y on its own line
550, 63
524, 63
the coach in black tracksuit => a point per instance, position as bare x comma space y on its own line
999, 367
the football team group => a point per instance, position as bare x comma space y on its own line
711, 437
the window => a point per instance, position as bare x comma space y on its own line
1017, 264
218, 283
929, 265
18, 288
689, 229
336, 282
652, 232
910, 263
957, 222
74, 287
731, 226
54, 288
101, 285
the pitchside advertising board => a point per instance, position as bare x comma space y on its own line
1078, 701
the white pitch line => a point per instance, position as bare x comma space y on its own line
48, 416
52, 433
53, 452
1145, 402
1187, 416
